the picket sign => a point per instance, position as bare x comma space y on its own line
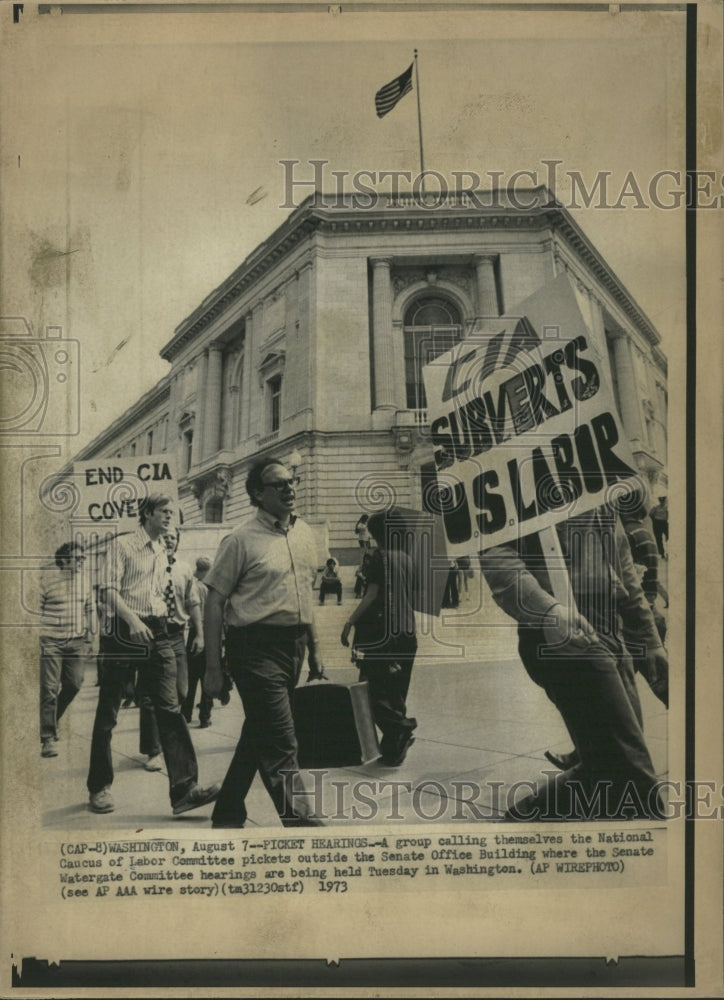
524, 429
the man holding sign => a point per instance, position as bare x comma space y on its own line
530, 458
576, 653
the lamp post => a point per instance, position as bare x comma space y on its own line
294, 460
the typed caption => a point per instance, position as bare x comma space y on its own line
262, 865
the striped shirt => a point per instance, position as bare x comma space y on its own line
135, 567
64, 604
185, 590
266, 572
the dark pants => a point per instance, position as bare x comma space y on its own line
597, 698
197, 672
330, 587
451, 596
661, 532
157, 680
149, 737
387, 668
265, 663
62, 668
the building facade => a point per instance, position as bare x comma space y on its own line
312, 351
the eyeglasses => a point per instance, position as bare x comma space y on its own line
284, 484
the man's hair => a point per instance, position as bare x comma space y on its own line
387, 527
633, 505
66, 551
203, 564
254, 481
147, 506
377, 527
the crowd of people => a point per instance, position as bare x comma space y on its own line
246, 619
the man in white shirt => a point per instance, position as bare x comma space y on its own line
183, 607
133, 589
262, 580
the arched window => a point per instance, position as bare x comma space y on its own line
432, 325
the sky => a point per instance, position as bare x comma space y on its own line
141, 155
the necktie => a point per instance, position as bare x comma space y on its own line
168, 595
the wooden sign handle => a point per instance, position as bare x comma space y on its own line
556, 567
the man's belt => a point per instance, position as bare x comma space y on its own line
157, 623
283, 631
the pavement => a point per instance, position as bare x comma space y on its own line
483, 726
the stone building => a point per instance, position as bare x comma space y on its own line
312, 350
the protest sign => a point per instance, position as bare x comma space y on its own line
524, 426
112, 492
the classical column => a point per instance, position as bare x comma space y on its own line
174, 412
202, 363
212, 400
627, 390
228, 431
252, 395
487, 290
382, 335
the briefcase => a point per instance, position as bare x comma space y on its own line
334, 725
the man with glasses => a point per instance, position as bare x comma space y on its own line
65, 633
133, 588
261, 580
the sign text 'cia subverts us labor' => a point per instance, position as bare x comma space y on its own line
524, 430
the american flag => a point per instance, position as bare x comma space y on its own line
388, 96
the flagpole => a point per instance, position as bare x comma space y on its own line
419, 127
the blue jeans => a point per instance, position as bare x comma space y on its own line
62, 668
265, 663
156, 681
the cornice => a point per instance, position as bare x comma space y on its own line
160, 392
402, 217
562, 222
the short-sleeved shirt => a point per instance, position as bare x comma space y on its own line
266, 572
64, 603
135, 567
392, 572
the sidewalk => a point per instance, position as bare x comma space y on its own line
482, 726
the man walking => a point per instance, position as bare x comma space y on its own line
579, 657
263, 575
133, 588
385, 641
195, 653
659, 515
65, 633
183, 607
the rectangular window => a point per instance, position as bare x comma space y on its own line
614, 373
188, 449
214, 511
164, 434
149, 442
275, 402
133, 447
